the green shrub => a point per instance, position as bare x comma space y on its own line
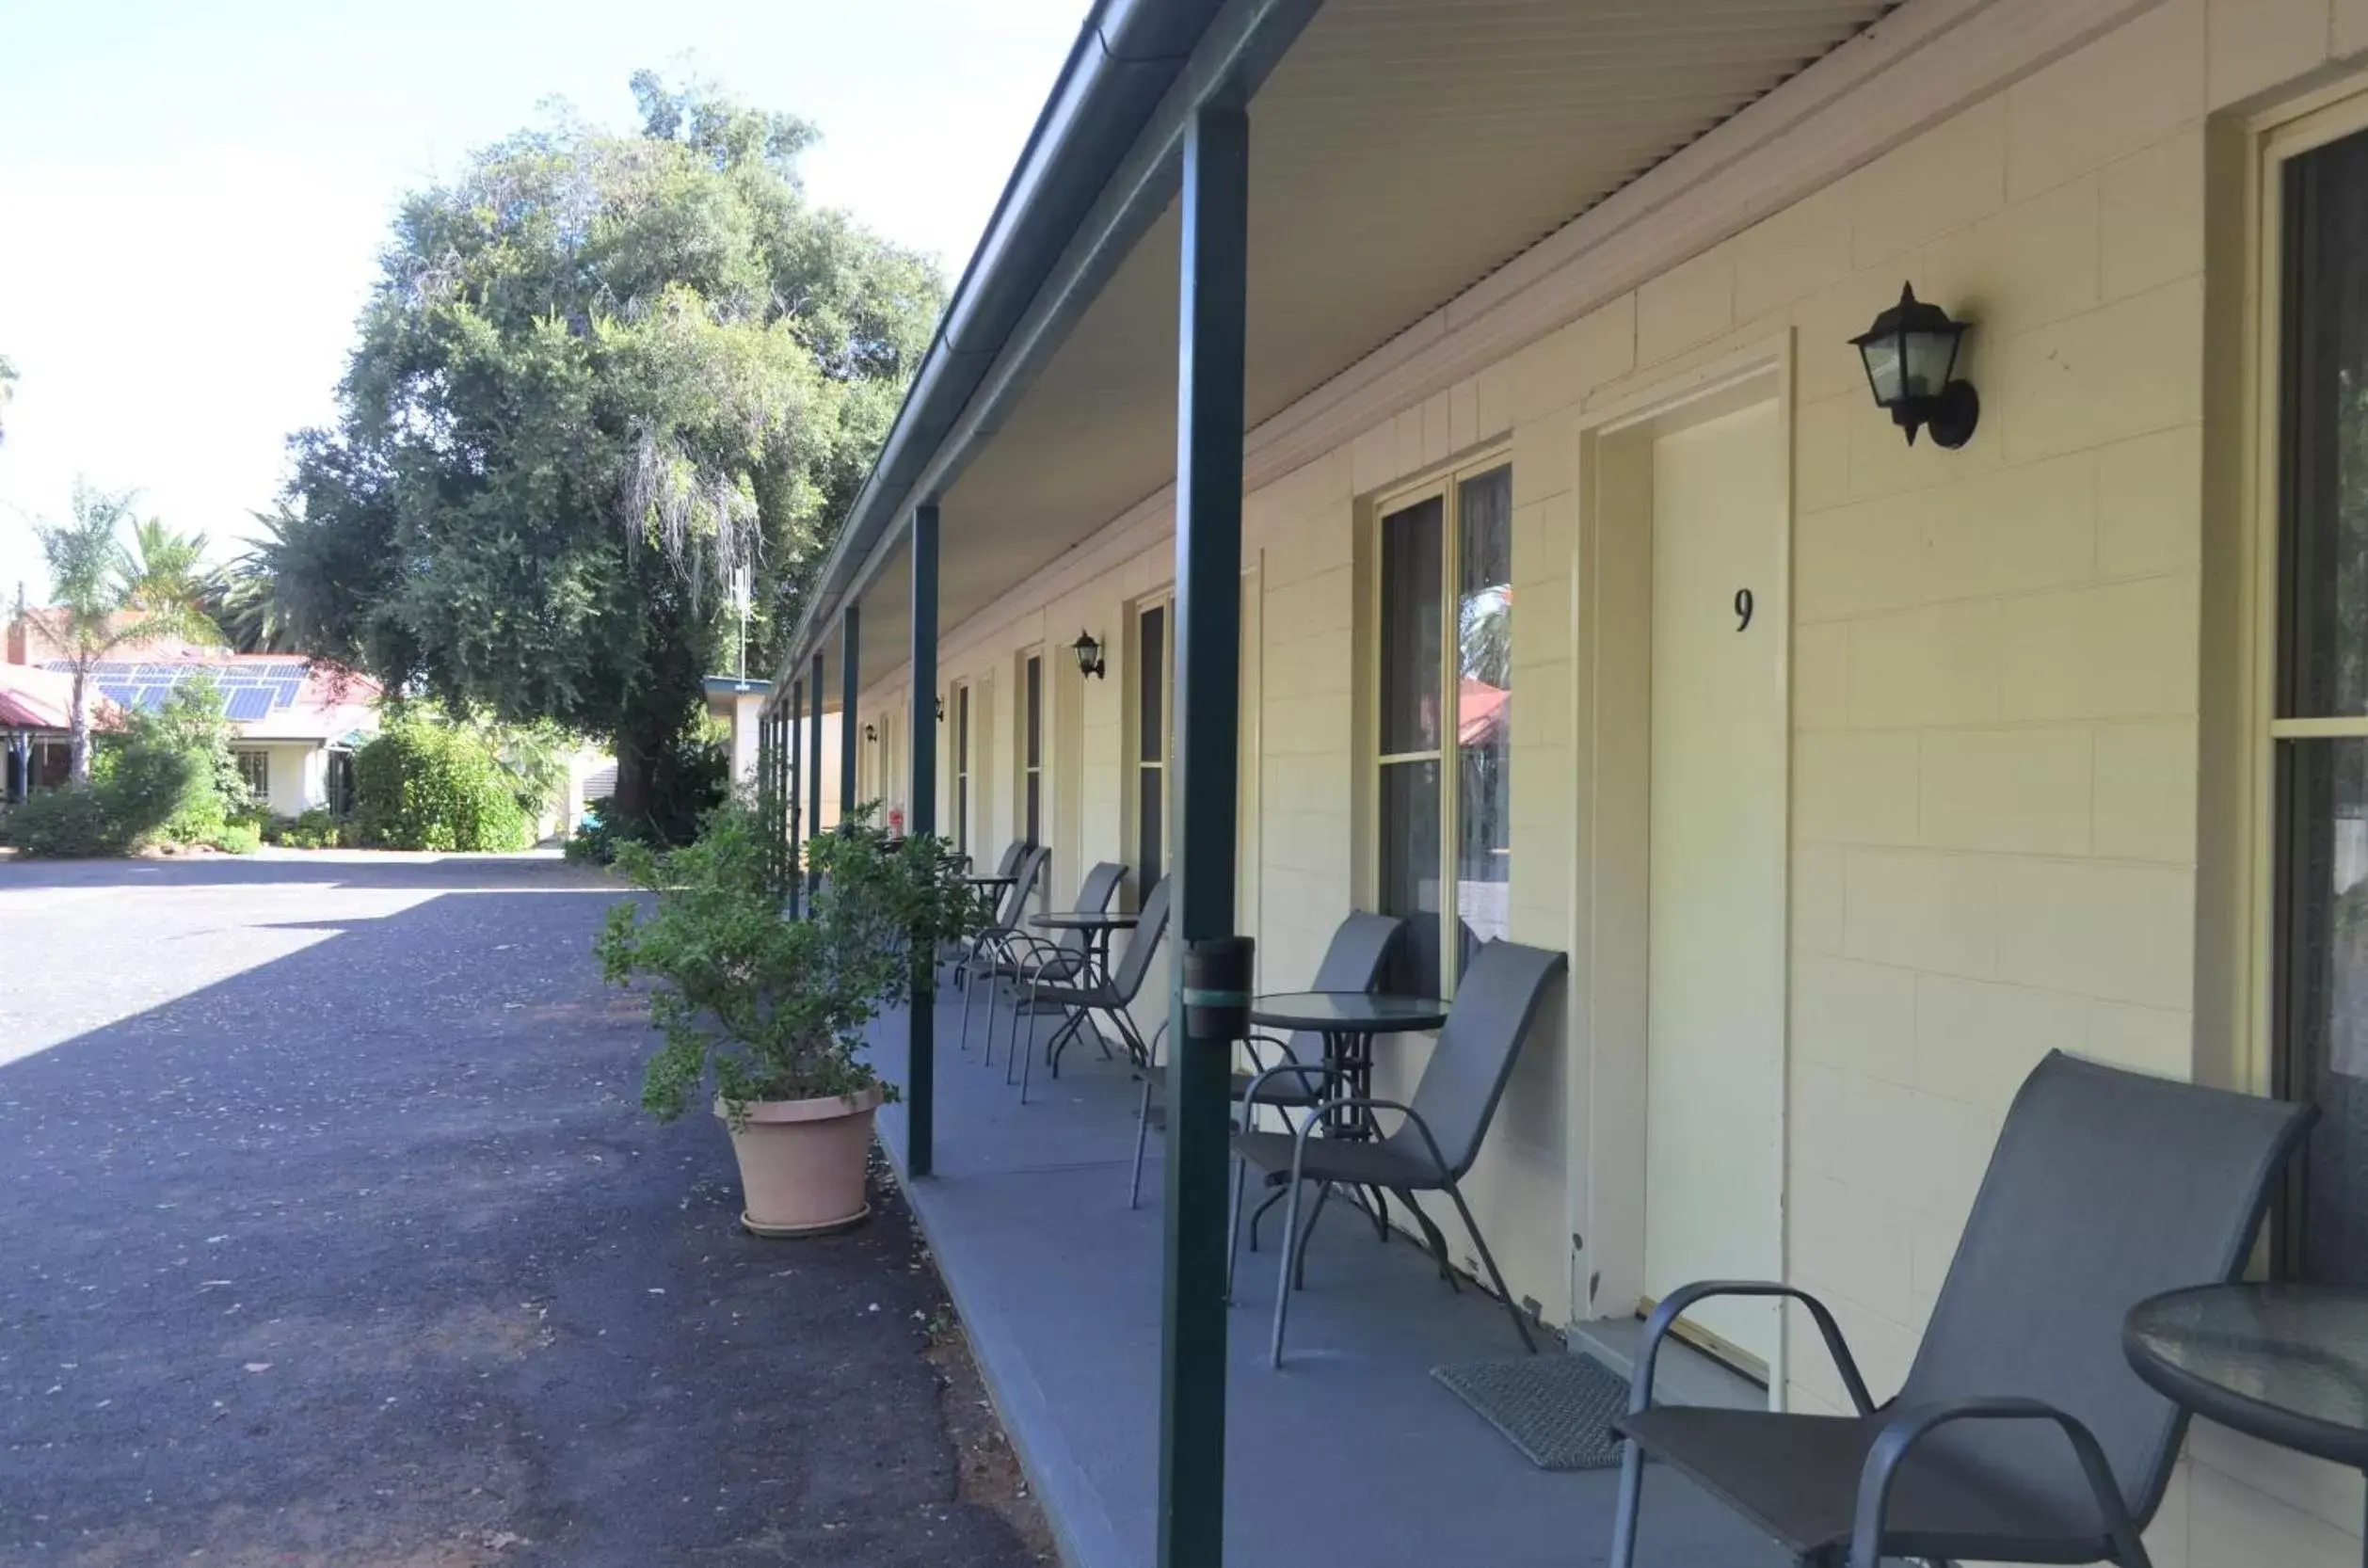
595, 840
68, 823
314, 829
423, 783
189, 724
238, 838
127, 804
770, 1008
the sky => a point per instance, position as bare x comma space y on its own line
193, 193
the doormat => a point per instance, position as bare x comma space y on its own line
1556, 1409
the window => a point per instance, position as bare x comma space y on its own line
1444, 787
962, 770
1152, 739
254, 767
1031, 748
2320, 729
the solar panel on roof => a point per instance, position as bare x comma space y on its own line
247, 706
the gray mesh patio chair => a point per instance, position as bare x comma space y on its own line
1026, 871
1439, 1134
1017, 955
1109, 994
2021, 1434
1352, 961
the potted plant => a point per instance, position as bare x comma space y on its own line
775, 1010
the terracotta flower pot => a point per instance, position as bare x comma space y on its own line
802, 1163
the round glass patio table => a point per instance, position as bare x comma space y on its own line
1349, 1020
2287, 1364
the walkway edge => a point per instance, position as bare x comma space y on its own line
1082, 1530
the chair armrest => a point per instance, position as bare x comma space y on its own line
1303, 1071
1009, 945
1369, 1102
1908, 1427
1672, 1306
1041, 960
1253, 1041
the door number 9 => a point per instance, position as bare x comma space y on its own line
1742, 609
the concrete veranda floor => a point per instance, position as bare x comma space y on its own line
331, 1233
1352, 1454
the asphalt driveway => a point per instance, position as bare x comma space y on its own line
330, 1233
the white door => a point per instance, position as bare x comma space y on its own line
1715, 986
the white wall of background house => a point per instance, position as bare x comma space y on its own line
294, 774
2027, 733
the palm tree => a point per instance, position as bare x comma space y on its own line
105, 595
245, 597
167, 568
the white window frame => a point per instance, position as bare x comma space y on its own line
2249, 954
1164, 601
1025, 773
962, 741
1444, 488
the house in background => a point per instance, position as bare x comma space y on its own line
297, 720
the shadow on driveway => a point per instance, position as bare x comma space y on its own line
366, 1256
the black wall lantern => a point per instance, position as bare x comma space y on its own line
941, 710
1089, 654
1909, 355
871, 732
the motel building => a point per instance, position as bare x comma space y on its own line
1598, 581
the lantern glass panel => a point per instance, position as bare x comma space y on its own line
1929, 357
1884, 361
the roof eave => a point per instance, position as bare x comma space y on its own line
1097, 168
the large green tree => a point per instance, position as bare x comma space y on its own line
598, 374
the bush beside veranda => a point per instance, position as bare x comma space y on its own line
423, 783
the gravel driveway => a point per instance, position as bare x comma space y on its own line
330, 1233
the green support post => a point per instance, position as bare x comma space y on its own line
790, 744
766, 799
921, 1023
849, 637
785, 770
1211, 293
814, 773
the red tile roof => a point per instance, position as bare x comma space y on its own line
39, 699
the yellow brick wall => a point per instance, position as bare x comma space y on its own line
1995, 676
